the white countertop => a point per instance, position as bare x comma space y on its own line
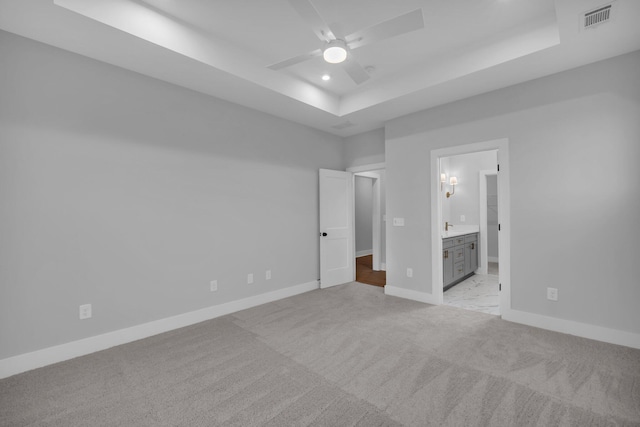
459, 230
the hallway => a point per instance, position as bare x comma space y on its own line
366, 274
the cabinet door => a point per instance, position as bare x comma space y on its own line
447, 266
471, 257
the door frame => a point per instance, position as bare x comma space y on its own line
504, 203
378, 219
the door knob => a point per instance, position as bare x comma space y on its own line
323, 234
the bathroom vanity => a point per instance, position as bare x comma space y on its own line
459, 258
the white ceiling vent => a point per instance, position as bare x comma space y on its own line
597, 16
343, 125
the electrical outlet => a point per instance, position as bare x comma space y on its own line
267, 275
462, 218
552, 294
250, 278
213, 285
409, 272
85, 311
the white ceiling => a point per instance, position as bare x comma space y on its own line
223, 47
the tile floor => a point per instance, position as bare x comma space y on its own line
478, 293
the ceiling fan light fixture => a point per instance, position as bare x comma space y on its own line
335, 52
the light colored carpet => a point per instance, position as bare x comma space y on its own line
348, 355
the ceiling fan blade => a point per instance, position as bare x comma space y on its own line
393, 27
295, 60
355, 71
308, 12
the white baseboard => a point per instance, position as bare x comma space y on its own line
47, 356
364, 253
584, 330
383, 266
410, 294
493, 259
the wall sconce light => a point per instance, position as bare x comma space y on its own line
443, 179
453, 181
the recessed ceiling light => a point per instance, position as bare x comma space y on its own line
326, 77
335, 52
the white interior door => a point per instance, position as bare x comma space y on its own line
336, 228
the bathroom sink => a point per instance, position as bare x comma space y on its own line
453, 233
459, 230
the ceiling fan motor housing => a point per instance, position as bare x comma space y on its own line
335, 51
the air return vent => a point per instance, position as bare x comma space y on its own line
597, 16
343, 125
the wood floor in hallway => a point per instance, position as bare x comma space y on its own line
366, 274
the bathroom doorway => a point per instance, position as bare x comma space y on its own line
466, 283
465, 219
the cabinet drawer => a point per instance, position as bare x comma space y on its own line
458, 240
458, 270
448, 243
458, 253
471, 238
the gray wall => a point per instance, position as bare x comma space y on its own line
363, 213
466, 200
132, 194
364, 149
574, 149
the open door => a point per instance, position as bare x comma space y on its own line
336, 228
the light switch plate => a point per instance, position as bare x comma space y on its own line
398, 222
552, 294
409, 272
213, 285
250, 278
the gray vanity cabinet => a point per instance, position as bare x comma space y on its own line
471, 253
459, 258
447, 262
447, 259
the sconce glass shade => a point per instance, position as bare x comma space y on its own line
443, 178
453, 181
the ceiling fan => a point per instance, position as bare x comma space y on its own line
337, 46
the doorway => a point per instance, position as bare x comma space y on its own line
466, 282
489, 262
466, 219
369, 224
